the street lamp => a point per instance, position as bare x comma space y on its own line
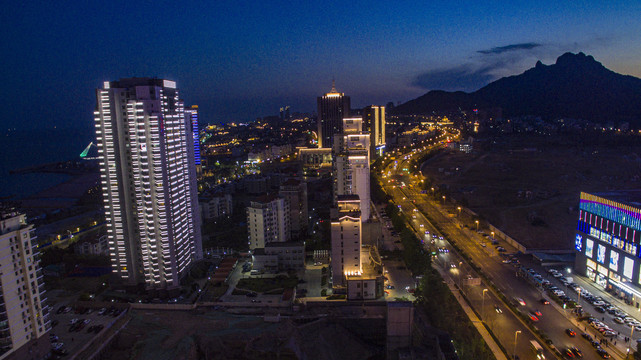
516, 334
459, 211
492, 235
443, 199
477, 225
630, 342
483, 304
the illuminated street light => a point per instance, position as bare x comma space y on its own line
477, 225
516, 334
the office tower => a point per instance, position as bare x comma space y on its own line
346, 238
294, 191
374, 123
332, 108
268, 221
24, 317
147, 172
191, 115
607, 242
351, 164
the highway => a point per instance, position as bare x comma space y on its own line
553, 321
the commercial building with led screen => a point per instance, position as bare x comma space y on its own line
607, 243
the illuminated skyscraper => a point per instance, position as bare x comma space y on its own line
145, 146
351, 164
191, 115
332, 108
374, 123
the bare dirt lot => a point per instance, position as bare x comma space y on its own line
529, 186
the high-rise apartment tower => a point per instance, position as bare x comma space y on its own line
146, 150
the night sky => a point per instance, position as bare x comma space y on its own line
239, 60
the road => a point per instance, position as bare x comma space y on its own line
553, 321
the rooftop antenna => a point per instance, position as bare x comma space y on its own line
333, 86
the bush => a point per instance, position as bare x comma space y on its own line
324, 292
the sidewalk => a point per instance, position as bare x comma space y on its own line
489, 340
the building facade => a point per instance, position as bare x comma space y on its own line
374, 123
332, 108
346, 237
191, 115
294, 191
607, 244
146, 150
97, 246
279, 257
268, 221
216, 206
24, 316
351, 164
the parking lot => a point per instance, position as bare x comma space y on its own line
75, 326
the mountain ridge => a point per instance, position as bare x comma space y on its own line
575, 86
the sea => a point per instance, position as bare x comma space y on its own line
24, 148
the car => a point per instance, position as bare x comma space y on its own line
251, 294
618, 320
390, 287
533, 317
498, 309
570, 332
568, 353
60, 310
520, 301
595, 344
587, 336
537, 313
602, 353
545, 302
599, 309
577, 352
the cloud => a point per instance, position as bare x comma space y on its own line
465, 77
512, 47
483, 67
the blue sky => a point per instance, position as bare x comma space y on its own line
242, 59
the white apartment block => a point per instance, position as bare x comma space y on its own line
148, 175
24, 317
346, 236
351, 164
268, 221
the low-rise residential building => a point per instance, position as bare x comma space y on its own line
99, 245
216, 206
279, 256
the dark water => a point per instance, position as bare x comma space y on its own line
24, 148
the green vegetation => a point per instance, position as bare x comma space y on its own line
416, 258
226, 232
445, 313
261, 285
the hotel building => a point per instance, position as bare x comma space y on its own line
147, 169
607, 243
332, 108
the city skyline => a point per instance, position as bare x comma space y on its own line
276, 55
